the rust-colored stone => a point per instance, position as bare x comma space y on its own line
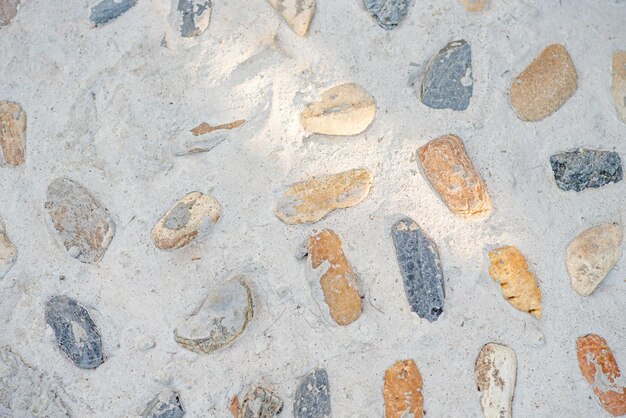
403, 391
205, 128
12, 132
234, 407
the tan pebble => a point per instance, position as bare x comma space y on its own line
8, 252
12, 132
8, 10
619, 83
403, 391
496, 369
475, 5
297, 13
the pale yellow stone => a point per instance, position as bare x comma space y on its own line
297, 13
475, 5
619, 83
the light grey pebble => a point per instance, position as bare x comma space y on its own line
165, 405
107, 10
313, 396
583, 168
388, 13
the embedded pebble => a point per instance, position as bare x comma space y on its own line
545, 85
192, 17
219, 320
592, 255
297, 13
345, 110
8, 252
312, 398
599, 368
77, 221
191, 217
259, 403
583, 168
496, 369
12, 132
619, 83
420, 266
108, 10
519, 287
448, 82
338, 280
388, 13
8, 10
475, 5
452, 174
204, 137
311, 200
165, 405
403, 391
75, 332
144, 343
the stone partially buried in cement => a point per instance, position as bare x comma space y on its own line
260, 403
475, 5
75, 332
496, 370
311, 200
388, 13
403, 391
448, 82
204, 137
619, 83
8, 10
192, 17
297, 13
8, 252
12, 132
165, 405
580, 169
592, 255
108, 10
312, 398
420, 266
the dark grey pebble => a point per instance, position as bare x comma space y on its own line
388, 13
75, 331
108, 10
583, 168
448, 81
313, 396
421, 269
165, 405
196, 15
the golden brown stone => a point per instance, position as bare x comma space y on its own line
205, 128
453, 176
475, 5
403, 391
12, 132
619, 83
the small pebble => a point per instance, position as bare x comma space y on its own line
312, 398
583, 168
12, 132
8, 252
8, 10
144, 343
108, 10
475, 5
192, 17
403, 391
260, 403
297, 13
619, 83
165, 405
496, 370
388, 13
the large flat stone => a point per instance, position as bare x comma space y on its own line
496, 370
403, 391
618, 86
583, 168
12, 133
297, 13
388, 13
312, 398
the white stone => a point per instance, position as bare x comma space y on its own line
496, 369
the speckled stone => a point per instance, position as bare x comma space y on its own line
496, 372
297, 13
12, 133
420, 266
618, 86
192, 17
388, 13
8, 252
108, 10
260, 403
403, 391
165, 405
8, 10
583, 168
448, 82
76, 333
312, 398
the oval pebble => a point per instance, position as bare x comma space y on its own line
583, 168
165, 405
312, 398
496, 370
12, 133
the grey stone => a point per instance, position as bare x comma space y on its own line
193, 17
388, 13
583, 168
76, 333
107, 10
260, 403
165, 405
421, 269
313, 396
448, 81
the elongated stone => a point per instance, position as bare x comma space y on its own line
388, 13
165, 405
8, 10
580, 169
312, 398
191, 217
219, 320
108, 10
618, 86
75, 332
519, 287
475, 5
311, 200
599, 368
205, 137
260, 403
346, 110
448, 82
420, 266
338, 280
452, 174
12, 133
545, 85
403, 391
496, 370
192, 17
592, 255
8, 252
77, 221
297, 13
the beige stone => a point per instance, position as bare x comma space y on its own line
545, 85
297, 13
496, 370
12, 132
8, 252
619, 83
403, 391
452, 174
311, 200
592, 255
8, 10
475, 5
346, 110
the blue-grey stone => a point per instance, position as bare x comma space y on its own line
195, 15
165, 405
108, 10
583, 168
388, 13
448, 81
313, 396
421, 269
76, 333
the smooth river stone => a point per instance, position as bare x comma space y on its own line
76, 333
8, 252
496, 369
619, 83
108, 10
297, 13
583, 168
519, 287
345, 110
311, 200
599, 368
165, 405
191, 217
448, 82
475, 5
592, 255
219, 320
338, 280
12, 132
545, 85
388, 13
420, 266
192, 17
77, 221
452, 174
8, 10
312, 398
260, 403
403, 391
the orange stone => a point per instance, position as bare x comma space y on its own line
12, 132
403, 391
452, 174
339, 282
